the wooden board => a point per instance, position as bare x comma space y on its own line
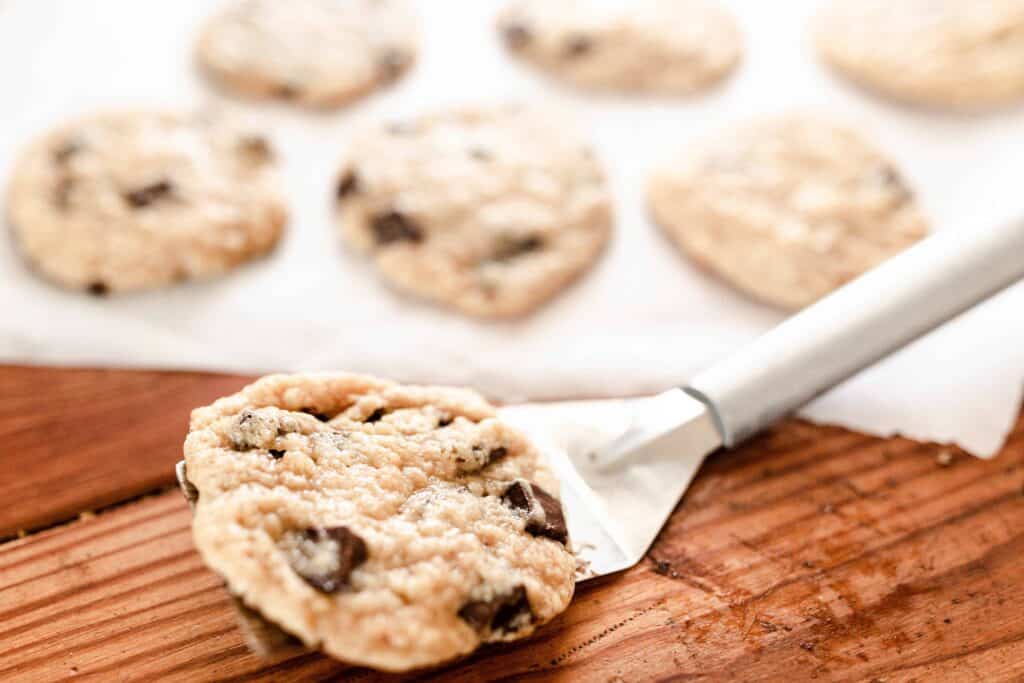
76, 440
810, 553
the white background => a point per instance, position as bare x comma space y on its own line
642, 320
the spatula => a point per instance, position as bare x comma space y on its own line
625, 464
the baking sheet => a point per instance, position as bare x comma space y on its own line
644, 319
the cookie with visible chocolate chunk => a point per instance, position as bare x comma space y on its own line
319, 53
786, 208
132, 200
952, 54
390, 526
668, 47
490, 210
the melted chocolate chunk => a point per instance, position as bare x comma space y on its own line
509, 247
66, 151
391, 63
288, 91
348, 184
577, 46
188, 489
376, 415
543, 511
504, 613
325, 558
889, 178
62, 192
497, 454
516, 35
394, 226
98, 288
145, 196
256, 149
320, 416
276, 454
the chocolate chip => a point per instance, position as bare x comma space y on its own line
543, 511
62, 192
504, 613
325, 558
497, 454
188, 489
376, 415
391, 63
510, 247
276, 454
256, 149
393, 226
577, 46
66, 151
445, 420
890, 179
98, 288
348, 184
288, 91
320, 416
145, 196
516, 35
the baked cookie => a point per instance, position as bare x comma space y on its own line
654, 46
490, 210
957, 54
786, 209
125, 201
389, 526
318, 53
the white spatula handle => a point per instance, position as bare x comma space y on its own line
858, 324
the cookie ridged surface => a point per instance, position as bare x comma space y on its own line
787, 208
390, 526
489, 210
317, 53
956, 54
132, 200
653, 46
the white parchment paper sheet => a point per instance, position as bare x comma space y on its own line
643, 320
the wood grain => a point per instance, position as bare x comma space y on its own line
76, 440
810, 553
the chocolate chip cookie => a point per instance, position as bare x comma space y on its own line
319, 53
491, 211
390, 526
786, 209
666, 47
132, 200
956, 54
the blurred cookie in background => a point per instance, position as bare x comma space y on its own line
786, 208
955, 54
668, 47
132, 200
319, 53
489, 210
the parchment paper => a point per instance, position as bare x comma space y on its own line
643, 320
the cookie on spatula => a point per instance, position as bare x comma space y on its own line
390, 526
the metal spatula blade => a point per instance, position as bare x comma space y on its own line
623, 466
